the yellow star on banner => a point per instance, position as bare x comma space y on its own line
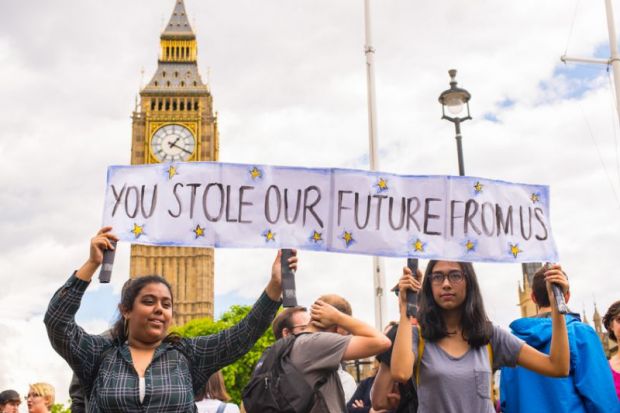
317, 236
418, 245
478, 187
535, 197
255, 173
382, 184
172, 171
514, 250
470, 245
137, 230
269, 236
348, 238
199, 231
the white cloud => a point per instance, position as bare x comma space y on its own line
288, 80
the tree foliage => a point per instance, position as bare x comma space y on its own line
60, 408
236, 375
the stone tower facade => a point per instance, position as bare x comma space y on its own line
174, 121
527, 306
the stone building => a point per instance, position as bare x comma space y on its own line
174, 121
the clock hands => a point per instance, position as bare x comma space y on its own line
174, 144
171, 144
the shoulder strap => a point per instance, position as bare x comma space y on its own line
221, 407
418, 359
490, 355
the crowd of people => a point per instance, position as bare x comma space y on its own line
442, 360
39, 399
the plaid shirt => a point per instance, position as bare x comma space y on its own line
106, 371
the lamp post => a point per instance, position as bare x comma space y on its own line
455, 99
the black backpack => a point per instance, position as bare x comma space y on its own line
277, 386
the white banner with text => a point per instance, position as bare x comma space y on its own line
223, 205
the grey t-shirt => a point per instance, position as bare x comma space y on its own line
462, 384
317, 355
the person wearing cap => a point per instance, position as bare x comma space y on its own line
9, 401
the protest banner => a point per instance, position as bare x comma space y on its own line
213, 204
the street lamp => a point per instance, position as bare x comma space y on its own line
455, 99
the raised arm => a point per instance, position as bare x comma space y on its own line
79, 349
403, 355
557, 363
211, 353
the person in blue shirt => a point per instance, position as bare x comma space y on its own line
589, 386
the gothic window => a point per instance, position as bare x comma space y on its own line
195, 83
159, 104
168, 83
174, 104
156, 83
182, 104
163, 74
182, 83
176, 74
167, 104
152, 104
189, 105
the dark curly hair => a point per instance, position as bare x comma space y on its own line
130, 291
610, 315
476, 327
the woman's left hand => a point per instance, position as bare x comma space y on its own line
555, 275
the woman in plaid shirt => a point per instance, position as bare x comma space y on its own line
142, 368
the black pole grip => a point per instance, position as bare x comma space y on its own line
412, 297
105, 274
560, 303
559, 299
289, 293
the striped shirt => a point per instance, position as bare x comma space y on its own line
105, 367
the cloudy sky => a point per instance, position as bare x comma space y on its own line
288, 80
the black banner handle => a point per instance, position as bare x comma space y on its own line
289, 293
560, 303
412, 297
105, 274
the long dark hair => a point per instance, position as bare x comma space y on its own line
130, 291
215, 389
476, 327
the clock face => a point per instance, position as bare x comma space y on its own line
172, 143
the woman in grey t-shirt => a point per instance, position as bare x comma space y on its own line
454, 372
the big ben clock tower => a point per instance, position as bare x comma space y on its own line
175, 122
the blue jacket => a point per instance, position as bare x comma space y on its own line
588, 388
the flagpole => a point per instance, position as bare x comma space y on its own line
614, 59
377, 262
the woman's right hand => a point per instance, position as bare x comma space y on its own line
99, 243
408, 282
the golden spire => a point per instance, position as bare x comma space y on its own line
596, 318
